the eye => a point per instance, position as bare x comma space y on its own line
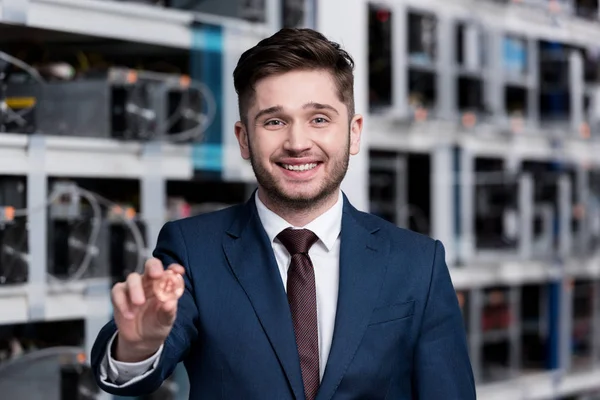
320, 120
274, 122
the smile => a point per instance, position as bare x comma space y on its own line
300, 167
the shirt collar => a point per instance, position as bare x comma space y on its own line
327, 226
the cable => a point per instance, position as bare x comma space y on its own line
135, 232
14, 261
203, 120
23, 65
4, 109
94, 234
95, 201
96, 225
10, 366
141, 118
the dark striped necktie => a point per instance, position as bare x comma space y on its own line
302, 297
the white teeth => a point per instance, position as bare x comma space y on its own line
303, 167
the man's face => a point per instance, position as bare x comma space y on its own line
298, 137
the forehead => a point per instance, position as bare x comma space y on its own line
292, 90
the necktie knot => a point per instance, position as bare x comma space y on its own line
297, 241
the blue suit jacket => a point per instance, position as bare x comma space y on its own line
399, 333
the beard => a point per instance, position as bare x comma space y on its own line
298, 202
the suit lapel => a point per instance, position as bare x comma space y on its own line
362, 268
251, 258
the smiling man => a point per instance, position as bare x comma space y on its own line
299, 148
294, 294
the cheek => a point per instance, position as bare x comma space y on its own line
265, 147
334, 143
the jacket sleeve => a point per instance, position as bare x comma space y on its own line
170, 249
442, 368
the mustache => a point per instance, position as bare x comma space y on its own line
298, 154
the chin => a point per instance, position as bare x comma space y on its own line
302, 196
294, 194
300, 191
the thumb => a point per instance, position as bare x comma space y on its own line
168, 292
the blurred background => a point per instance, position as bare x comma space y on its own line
482, 130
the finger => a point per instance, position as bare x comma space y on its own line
175, 286
153, 268
171, 287
135, 289
120, 300
178, 269
178, 285
154, 287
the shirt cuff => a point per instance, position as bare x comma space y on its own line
119, 374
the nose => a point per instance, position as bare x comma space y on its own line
298, 139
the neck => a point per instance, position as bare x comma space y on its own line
296, 216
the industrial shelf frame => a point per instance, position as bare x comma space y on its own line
135, 22
496, 21
449, 144
38, 158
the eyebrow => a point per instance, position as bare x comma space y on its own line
320, 106
267, 111
277, 109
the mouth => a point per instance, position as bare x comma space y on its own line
305, 170
298, 167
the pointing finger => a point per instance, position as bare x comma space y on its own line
153, 268
120, 301
135, 289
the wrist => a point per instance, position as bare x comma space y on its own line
124, 351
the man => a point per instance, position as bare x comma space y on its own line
295, 294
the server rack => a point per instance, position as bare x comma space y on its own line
514, 103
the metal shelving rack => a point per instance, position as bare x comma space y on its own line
441, 129
39, 158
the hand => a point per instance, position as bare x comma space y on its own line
145, 307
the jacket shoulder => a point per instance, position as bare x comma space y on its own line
211, 223
400, 238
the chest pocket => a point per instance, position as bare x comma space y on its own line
392, 312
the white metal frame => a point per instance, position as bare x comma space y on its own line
39, 157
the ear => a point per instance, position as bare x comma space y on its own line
356, 126
241, 133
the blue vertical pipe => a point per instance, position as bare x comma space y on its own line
206, 66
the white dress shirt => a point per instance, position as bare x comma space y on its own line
325, 255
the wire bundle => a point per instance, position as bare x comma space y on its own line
197, 103
90, 247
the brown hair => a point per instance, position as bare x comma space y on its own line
290, 50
